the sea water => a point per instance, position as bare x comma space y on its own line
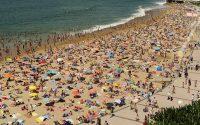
60, 16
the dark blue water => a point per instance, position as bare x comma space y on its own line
46, 16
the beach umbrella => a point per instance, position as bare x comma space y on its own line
157, 48
60, 59
32, 87
180, 54
34, 94
118, 70
40, 119
7, 75
118, 101
8, 59
75, 92
116, 84
159, 68
111, 54
51, 72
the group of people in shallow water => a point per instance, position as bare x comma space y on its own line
79, 83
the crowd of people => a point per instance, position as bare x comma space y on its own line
79, 83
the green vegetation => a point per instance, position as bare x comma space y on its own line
196, 3
187, 115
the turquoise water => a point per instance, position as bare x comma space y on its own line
47, 16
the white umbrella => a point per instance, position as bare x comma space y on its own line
60, 59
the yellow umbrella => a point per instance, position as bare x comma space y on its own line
116, 84
33, 94
39, 119
180, 54
8, 59
32, 87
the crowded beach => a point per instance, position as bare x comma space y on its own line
82, 82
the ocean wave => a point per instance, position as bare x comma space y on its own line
140, 12
161, 2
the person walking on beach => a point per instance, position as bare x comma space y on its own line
137, 116
188, 89
189, 82
183, 84
131, 105
195, 83
173, 89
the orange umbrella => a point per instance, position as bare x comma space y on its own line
93, 91
7, 75
75, 92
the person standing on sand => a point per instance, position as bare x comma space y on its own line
173, 89
131, 105
183, 84
188, 89
195, 83
189, 82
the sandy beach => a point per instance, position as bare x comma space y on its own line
84, 77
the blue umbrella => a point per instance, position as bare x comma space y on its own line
158, 68
157, 48
111, 55
51, 72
